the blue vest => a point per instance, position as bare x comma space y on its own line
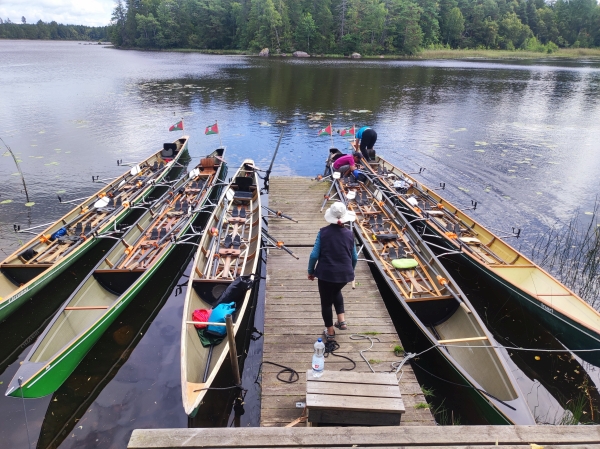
335, 257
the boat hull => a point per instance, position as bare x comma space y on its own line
33, 286
45, 378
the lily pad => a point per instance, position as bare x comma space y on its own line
15, 174
459, 130
31, 203
481, 143
52, 163
61, 191
589, 213
479, 151
463, 189
6, 201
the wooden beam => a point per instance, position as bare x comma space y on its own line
87, 308
459, 340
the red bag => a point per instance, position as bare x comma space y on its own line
202, 315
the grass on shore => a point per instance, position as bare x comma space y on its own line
563, 53
566, 53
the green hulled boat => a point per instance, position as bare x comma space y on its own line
49, 253
117, 279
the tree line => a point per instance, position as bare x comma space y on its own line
364, 26
51, 30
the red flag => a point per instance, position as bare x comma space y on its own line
213, 129
177, 126
326, 131
348, 132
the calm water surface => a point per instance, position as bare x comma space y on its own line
521, 139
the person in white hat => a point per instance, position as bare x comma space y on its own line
335, 257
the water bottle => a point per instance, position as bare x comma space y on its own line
318, 360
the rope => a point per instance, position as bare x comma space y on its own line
465, 386
294, 376
331, 347
362, 337
24, 412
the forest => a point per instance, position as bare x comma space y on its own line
370, 27
51, 30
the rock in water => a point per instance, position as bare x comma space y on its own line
355, 55
301, 54
264, 52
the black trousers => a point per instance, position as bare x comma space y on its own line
367, 142
331, 294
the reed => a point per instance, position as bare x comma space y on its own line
18, 168
571, 252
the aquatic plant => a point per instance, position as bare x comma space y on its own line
571, 252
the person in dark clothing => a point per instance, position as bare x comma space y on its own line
367, 137
335, 257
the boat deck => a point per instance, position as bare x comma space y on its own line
293, 317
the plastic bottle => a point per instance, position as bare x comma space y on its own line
318, 360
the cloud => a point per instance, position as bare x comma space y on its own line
72, 12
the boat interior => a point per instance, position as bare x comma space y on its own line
483, 245
141, 246
229, 249
93, 216
436, 304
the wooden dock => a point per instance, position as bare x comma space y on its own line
293, 315
463, 437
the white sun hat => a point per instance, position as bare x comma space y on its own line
338, 212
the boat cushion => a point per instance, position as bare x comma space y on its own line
403, 264
471, 240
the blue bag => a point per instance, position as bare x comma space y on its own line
57, 234
218, 316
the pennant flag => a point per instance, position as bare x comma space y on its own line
213, 129
348, 132
177, 126
326, 131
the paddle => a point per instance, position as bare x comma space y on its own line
265, 188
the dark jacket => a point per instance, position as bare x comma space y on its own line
336, 254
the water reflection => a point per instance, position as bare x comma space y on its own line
519, 138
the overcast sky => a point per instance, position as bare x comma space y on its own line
73, 12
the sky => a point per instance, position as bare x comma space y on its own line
72, 12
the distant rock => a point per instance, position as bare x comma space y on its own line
355, 56
301, 54
264, 52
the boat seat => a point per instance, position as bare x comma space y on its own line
155, 166
386, 237
78, 228
168, 150
429, 298
86, 308
88, 228
208, 164
243, 187
154, 234
162, 234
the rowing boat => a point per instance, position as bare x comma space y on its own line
230, 250
570, 319
434, 302
117, 279
52, 251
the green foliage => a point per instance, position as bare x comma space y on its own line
420, 405
370, 27
52, 31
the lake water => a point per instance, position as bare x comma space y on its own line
519, 138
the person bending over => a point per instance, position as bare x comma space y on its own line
367, 137
347, 163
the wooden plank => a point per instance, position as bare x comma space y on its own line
458, 340
419, 436
348, 389
293, 315
357, 403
